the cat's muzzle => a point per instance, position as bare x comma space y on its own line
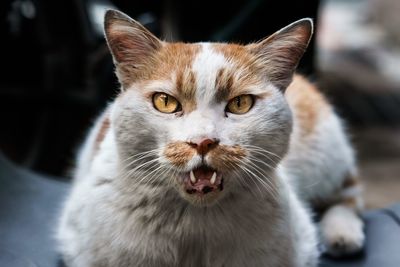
203, 180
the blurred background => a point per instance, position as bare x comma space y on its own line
57, 73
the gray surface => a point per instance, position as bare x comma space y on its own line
394, 212
29, 204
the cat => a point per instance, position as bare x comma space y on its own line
212, 154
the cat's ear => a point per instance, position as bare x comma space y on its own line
128, 40
280, 53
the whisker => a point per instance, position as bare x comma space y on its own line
261, 171
252, 158
266, 181
262, 149
254, 180
257, 154
243, 182
263, 152
140, 157
154, 169
267, 186
141, 153
138, 168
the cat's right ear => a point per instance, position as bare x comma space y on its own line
280, 53
130, 43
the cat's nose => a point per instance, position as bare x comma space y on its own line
203, 145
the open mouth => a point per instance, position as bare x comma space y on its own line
203, 180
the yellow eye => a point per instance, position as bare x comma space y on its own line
240, 104
166, 103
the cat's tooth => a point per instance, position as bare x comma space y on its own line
192, 177
213, 178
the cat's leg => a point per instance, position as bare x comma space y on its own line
341, 227
303, 233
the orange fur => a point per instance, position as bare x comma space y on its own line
243, 73
179, 153
101, 134
350, 181
186, 89
307, 103
353, 201
172, 62
226, 157
223, 157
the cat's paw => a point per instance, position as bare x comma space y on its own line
342, 233
344, 243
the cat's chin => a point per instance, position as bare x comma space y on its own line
202, 186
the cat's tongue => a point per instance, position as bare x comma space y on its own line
202, 181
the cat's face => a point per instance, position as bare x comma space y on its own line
207, 119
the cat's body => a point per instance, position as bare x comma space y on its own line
140, 226
206, 184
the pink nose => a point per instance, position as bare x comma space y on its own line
204, 145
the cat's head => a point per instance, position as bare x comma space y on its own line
205, 118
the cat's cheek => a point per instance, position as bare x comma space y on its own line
239, 132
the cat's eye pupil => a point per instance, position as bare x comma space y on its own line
238, 101
165, 97
166, 103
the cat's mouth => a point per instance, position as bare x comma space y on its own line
202, 180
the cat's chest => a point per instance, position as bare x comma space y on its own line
199, 237
170, 230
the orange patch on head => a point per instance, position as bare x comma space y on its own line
173, 62
177, 59
171, 58
238, 55
224, 85
179, 153
186, 89
307, 104
243, 73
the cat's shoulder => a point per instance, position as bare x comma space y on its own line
307, 102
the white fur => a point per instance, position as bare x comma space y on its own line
206, 120
322, 160
230, 246
306, 253
341, 231
85, 155
318, 166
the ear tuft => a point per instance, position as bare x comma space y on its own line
128, 40
280, 53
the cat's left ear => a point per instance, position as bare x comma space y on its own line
132, 45
280, 53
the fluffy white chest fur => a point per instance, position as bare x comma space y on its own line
211, 155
